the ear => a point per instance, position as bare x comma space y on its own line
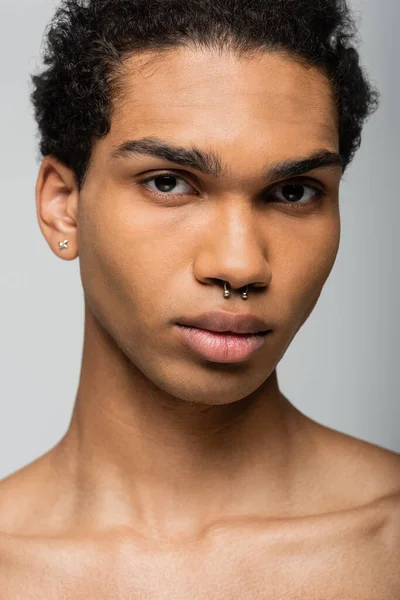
57, 206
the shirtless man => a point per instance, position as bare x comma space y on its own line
192, 157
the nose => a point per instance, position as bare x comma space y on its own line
234, 251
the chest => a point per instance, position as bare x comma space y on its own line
253, 573
317, 570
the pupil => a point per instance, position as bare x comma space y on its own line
293, 188
163, 187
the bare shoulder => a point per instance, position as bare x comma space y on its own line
22, 493
378, 468
364, 476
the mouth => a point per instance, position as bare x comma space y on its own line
225, 333
223, 347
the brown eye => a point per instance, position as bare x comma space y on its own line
297, 193
167, 183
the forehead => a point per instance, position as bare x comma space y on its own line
267, 100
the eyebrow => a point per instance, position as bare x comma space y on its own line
209, 162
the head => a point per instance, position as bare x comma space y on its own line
167, 129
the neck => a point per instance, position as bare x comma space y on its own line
136, 456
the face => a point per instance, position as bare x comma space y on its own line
157, 251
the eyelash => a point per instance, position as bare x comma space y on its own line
320, 193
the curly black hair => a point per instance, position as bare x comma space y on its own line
87, 42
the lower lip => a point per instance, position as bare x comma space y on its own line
222, 347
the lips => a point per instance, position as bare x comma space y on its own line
221, 347
224, 322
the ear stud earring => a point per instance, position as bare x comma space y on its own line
63, 245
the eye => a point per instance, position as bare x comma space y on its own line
165, 183
292, 194
295, 193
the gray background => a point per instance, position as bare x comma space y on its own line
342, 368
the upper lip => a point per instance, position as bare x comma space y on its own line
223, 321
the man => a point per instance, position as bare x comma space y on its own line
192, 157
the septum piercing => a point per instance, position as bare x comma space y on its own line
227, 292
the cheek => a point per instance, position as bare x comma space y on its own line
124, 263
306, 266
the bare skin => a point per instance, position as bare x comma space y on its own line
181, 478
